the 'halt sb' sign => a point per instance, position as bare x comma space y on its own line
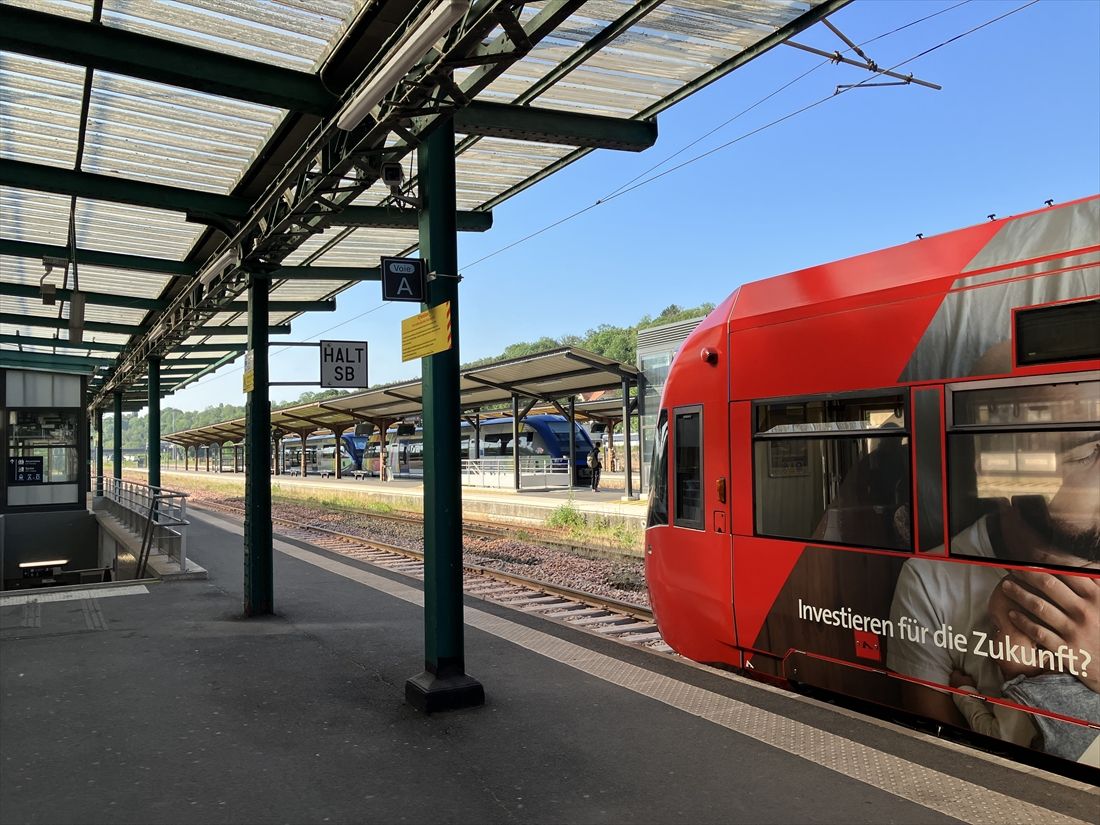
344, 364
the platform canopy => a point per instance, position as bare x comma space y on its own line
154, 155
546, 377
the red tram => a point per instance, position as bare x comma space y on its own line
881, 477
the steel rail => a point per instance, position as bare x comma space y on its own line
571, 594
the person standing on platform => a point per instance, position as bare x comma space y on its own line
595, 465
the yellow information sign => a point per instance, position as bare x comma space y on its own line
426, 333
249, 372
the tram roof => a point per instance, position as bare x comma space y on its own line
139, 136
547, 376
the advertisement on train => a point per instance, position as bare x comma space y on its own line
915, 510
1014, 629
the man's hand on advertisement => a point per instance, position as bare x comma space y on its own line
1068, 613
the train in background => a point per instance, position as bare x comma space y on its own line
878, 476
320, 454
540, 435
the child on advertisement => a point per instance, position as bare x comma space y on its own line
1031, 685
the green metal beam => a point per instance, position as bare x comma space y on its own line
99, 298
151, 58
221, 362
120, 190
130, 302
32, 341
51, 342
386, 217
123, 329
284, 306
230, 348
274, 329
169, 364
63, 363
554, 126
93, 257
63, 323
324, 273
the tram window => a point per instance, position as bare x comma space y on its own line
834, 470
1024, 473
688, 458
658, 496
853, 413
1064, 332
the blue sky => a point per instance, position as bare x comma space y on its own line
1017, 122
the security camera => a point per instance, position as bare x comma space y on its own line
393, 175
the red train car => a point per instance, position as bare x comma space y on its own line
881, 477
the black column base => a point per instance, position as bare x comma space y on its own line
431, 694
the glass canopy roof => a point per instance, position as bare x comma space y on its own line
613, 58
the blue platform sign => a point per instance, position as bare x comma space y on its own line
26, 469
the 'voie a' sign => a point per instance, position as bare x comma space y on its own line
403, 279
344, 364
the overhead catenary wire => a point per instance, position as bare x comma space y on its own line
342, 234
641, 180
779, 90
637, 184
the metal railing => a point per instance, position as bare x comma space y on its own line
536, 472
156, 514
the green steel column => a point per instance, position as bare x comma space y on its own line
444, 684
627, 467
477, 434
154, 422
99, 452
643, 452
116, 458
336, 462
572, 441
259, 582
515, 442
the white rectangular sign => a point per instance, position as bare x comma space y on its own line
344, 364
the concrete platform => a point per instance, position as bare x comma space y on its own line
408, 494
166, 706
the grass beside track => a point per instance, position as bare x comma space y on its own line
568, 520
591, 529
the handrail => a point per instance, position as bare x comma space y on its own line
534, 472
158, 514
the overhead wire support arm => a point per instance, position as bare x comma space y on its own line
868, 64
851, 45
842, 86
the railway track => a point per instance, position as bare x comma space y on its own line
539, 535
474, 527
611, 618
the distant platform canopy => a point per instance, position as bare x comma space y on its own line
544, 378
144, 143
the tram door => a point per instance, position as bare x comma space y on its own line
699, 501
